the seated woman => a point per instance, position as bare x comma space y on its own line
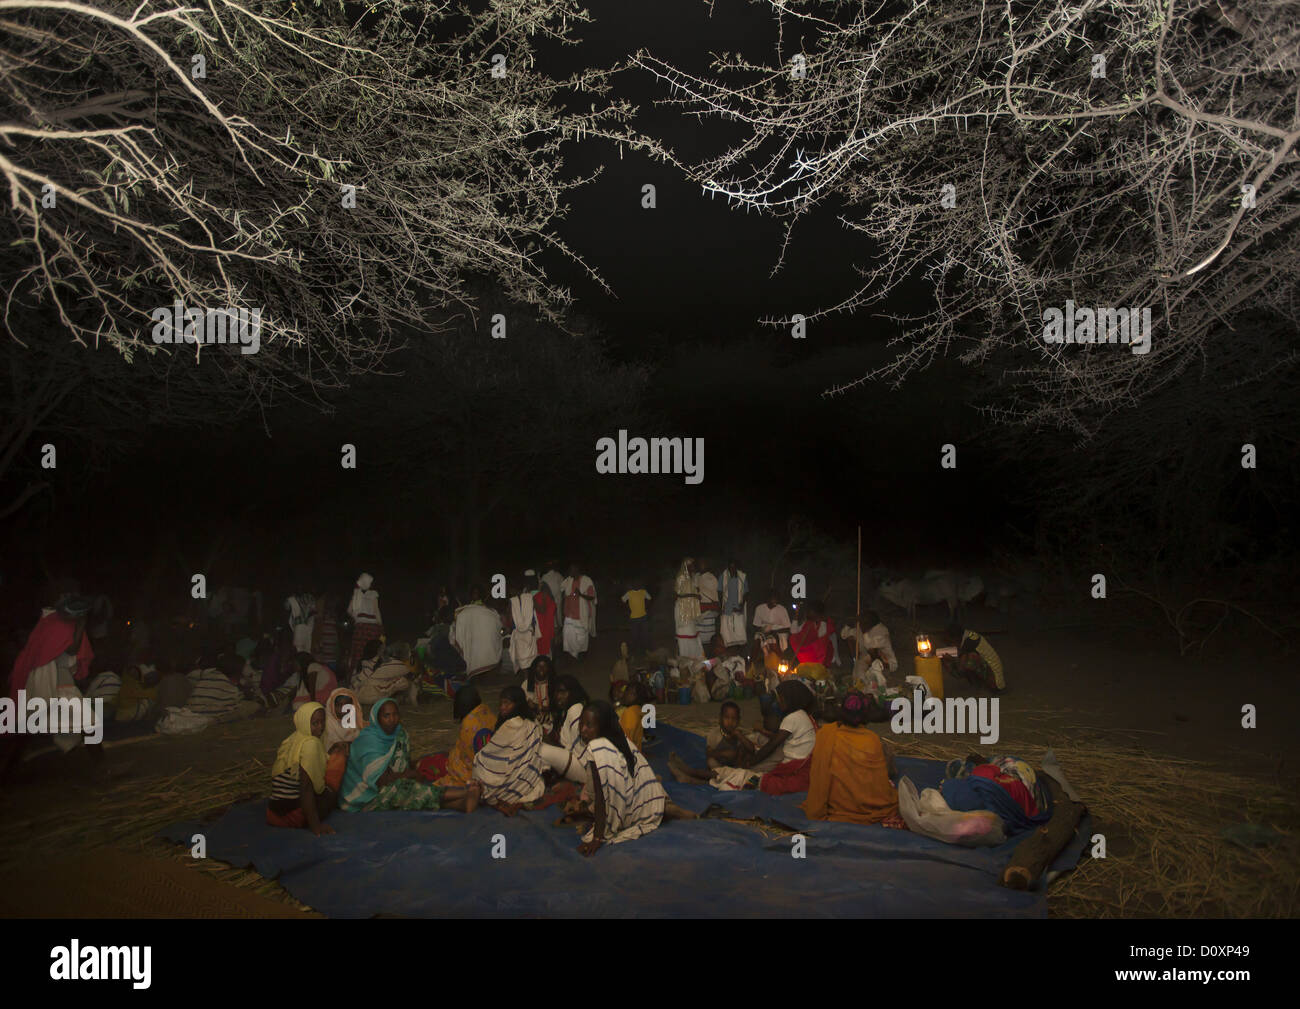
301, 793
563, 748
343, 723
795, 739
279, 679
509, 768
138, 699
477, 721
849, 780
625, 797
391, 678
978, 662
538, 686
316, 681
366, 667
380, 776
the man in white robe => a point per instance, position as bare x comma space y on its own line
773, 618
579, 609
523, 638
686, 611
302, 619
476, 634
734, 589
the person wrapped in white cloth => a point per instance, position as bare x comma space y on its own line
579, 610
564, 749
624, 795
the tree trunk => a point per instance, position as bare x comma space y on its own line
1035, 853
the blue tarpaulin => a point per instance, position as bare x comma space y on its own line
442, 864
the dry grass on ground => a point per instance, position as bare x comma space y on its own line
1161, 817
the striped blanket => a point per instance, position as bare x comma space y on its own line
634, 804
510, 765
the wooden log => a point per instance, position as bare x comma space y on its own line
1036, 852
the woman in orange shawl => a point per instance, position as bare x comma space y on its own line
851, 767
477, 723
343, 723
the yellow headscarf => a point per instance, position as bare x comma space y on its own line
302, 749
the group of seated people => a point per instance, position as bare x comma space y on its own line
548, 734
845, 768
546, 729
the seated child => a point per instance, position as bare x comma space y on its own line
726, 745
791, 742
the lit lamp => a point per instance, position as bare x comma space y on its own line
928, 666
782, 669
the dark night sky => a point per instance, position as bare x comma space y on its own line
691, 278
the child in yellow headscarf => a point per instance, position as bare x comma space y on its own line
299, 794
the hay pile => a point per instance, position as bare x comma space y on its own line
1161, 818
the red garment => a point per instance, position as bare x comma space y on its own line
432, 767
562, 792
362, 634
810, 645
1013, 785
49, 639
544, 610
573, 602
787, 777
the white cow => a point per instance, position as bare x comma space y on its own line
931, 588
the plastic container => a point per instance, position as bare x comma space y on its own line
684, 695
930, 669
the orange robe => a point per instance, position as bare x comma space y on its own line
335, 765
630, 719
849, 780
475, 730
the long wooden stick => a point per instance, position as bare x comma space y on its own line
858, 640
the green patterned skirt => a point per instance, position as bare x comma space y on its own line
407, 793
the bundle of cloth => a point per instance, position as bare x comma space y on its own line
979, 803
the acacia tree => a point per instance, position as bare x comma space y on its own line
1113, 152
156, 151
227, 189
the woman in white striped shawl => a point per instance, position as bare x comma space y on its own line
563, 747
625, 797
510, 765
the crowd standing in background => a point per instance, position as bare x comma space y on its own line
546, 741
